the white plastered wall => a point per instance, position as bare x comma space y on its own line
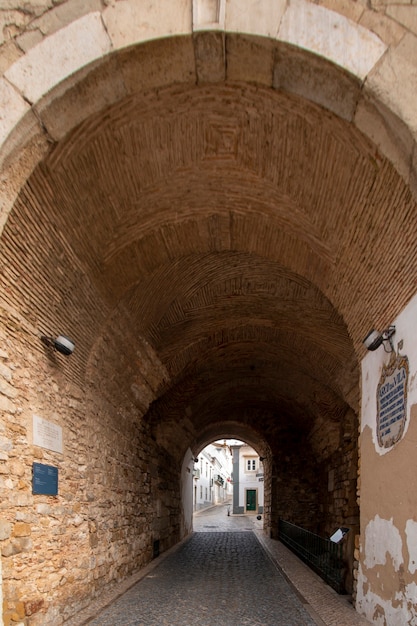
187, 493
387, 581
249, 480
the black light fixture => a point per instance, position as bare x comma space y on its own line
62, 344
374, 339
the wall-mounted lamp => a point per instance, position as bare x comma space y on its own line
374, 339
62, 344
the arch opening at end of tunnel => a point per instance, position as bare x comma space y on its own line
308, 480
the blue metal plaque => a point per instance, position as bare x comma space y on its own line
45, 480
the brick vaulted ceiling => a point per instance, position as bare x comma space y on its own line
244, 232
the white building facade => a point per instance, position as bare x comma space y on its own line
248, 480
212, 476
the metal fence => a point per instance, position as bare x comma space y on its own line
323, 556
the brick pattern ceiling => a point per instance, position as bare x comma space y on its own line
245, 232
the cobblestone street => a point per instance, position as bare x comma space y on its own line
214, 579
226, 574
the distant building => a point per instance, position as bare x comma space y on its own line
212, 476
248, 480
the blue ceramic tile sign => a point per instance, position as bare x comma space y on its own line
45, 480
392, 401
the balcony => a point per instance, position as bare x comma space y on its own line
219, 479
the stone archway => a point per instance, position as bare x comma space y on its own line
223, 431
198, 198
34, 90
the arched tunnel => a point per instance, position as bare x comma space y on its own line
211, 246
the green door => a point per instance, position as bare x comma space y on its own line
251, 499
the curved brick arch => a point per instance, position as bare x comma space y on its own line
373, 49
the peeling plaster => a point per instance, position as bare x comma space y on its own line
387, 585
382, 612
383, 542
382, 537
410, 594
411, 532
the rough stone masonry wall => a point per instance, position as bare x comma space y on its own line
315, 475
315, 483
118, 493
115, 498
336, 445
294, 482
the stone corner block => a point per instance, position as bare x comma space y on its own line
5, 530
71, 48
405, 15
249, 59
93, 88
331, 35
394, 81
210, 57
158, 63
12, 109
131, 22
255, 17
387, 132
317, 80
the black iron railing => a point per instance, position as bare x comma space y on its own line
323, 556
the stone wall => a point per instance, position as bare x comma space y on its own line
294, 482
117, 495
118, 492
314, 482
338, 475
338, 497
315, 474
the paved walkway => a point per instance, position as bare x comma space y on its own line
228, 573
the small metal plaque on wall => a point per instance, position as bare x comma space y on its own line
392, 402
45, 480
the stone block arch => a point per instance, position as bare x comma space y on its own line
372, 49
